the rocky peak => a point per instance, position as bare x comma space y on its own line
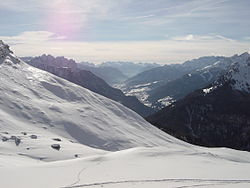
53, 62
241, 58
4, 49
237, 75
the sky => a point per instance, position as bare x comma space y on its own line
158, 31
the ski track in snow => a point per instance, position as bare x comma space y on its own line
199, 182
78, 178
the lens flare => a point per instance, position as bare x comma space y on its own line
64, 19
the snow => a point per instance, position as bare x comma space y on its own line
237, 73
166, 101
102, 143
208, 90
39, 103
138, 167
240, 74
222, 64
45, 101
141, 94
147, 84
140, 91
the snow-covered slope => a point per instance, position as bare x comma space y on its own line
138, 168
36, 102
45, 120
68, 69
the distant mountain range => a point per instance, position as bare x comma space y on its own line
142, 83
116, 72
69, 70
130, 69
161, 86
216, 115
111, 75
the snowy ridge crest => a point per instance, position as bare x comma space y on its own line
7, 57
4, 49
50, 61
239, 76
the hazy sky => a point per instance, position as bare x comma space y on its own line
161, 31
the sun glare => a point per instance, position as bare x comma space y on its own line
64, 19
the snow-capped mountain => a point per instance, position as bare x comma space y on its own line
180, 81
239, 76
200, 63
154, 81
46, 119
236, 75
206, 73
217, 115
68, 69
142, 83
35, 102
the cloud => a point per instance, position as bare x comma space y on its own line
63, 17
32, 37
173, 50
184, 38
199, 38
145, 16
126, 19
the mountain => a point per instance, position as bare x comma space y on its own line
49, 61
130, 69
111, 75
161, 86
54, 133
217, 115
177, 89
36, 102
68, 69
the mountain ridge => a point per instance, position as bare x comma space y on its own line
214, 116
47, 118
68, 69
176, 81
